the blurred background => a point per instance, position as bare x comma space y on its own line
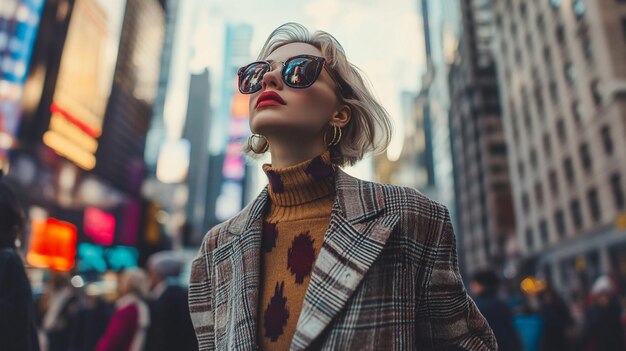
121, 127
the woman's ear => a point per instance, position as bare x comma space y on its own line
341, 116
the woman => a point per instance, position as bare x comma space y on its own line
128, 326
322, 260
18, 331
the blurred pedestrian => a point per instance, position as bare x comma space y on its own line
484, 285
529, 324
59, 304
602, 330
557, 320
18, 330
321, 259
130, 321
91, 319
170, 322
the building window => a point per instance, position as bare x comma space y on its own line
618, 191
541, 24
559, 220
533, 158
588, 48
554, 91
576, 214
525, 202
500, 187
497, 169
607, 141
560, 35
514, 121
561, 130
569, 170
528, 120
579, 8
529, 239
568, 70
547, 145
585, 156
594, 204
547, 58
521, 169
555, 4
554, 182
539, 194
529, 42
539, 99
498, 149
543, 231
577, 113
595, 92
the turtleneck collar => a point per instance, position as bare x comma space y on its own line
302, 183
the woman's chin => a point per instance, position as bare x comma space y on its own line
279, 126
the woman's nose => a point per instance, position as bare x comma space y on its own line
272, 79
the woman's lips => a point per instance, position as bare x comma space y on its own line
265, 103
269, 98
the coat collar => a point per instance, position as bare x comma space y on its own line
348, 190
357, 232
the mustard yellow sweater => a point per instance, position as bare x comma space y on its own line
293, 231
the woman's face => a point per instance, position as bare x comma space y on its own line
305, 112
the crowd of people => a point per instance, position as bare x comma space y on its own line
543, 321
146, 311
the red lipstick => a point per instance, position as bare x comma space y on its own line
269, 98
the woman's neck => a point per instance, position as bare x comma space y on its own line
283, 157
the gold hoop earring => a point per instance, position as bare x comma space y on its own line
251, 143
336, 137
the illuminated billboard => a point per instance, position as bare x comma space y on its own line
230, 200
19, 20
52, 244
84, 82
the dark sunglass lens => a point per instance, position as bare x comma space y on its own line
301, 71
251, 77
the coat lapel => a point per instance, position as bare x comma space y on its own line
357, 233
244, 234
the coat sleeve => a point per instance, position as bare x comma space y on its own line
201, 299
455, 322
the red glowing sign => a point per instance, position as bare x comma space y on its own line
99, 226
52, 245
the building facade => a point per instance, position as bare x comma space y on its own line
562, 72
486, 225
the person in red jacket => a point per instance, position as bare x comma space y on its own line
130, 321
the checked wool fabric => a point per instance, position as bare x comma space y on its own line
386, 277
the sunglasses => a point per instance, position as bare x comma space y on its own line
298, 72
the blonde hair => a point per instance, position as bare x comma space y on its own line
135, 281
369, 128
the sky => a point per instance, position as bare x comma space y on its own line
384, 41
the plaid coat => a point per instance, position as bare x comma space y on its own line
386, 278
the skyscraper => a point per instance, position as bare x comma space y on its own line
441, 31
486, 225
562, 72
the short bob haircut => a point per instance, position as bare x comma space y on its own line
369, 128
